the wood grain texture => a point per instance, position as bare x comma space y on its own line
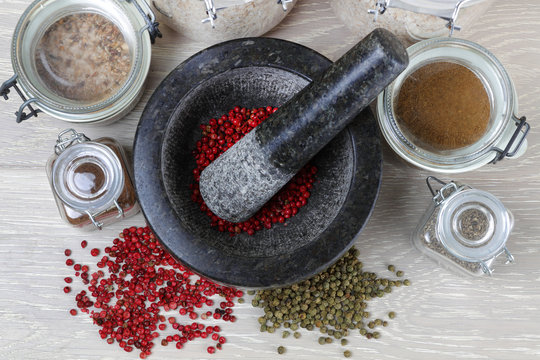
442, 316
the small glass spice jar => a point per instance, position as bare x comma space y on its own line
90, 181
503, 134
82, 61
464, 229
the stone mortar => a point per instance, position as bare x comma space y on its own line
250, 73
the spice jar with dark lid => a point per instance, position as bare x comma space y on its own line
453, 109
82, 61
90, 181
465, 229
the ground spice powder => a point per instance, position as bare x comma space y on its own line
443, 106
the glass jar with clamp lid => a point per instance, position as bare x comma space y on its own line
90, 181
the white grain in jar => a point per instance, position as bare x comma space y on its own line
83, 57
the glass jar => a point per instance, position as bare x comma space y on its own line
464, 229
212, 21
82, 61
90, 181
505, 132
410, 20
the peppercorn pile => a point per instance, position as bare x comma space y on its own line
218, 136
139, 280
334, 302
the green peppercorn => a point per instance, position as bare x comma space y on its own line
251, 292
347, 353
285, 334
344, 342
322, 340
391, 268
399, 273
406, 282
297, 335
391, 314
281, 350
376, 335
329, 340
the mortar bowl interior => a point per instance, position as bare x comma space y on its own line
250, 73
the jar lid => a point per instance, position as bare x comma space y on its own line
503, 131
474, 225
88, 177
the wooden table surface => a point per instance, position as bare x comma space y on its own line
441, 316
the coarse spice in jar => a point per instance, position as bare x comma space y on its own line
444, 106
464, 228
91, 182
83, 57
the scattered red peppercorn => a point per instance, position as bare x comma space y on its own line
68, 280
211, 349
94, 252
218, 136
139, 280
84, 243
67, 252
69, 262
67, 289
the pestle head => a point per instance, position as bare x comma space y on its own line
239, 182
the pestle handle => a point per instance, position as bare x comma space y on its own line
246, 176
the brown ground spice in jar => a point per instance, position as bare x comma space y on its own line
83, 57
443, 106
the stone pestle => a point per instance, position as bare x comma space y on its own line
239, 182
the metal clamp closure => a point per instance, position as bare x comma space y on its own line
148, 15
20, 114
522, 126
449, 15
66, 138
284, 3
211, 11
486, 265
98, 224
439, 196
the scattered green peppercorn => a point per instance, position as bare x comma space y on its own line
347, 353
344, 342
406, 282
281, 350
399, 273
241, 300
297, 335
376, 335
391, 314
335, 301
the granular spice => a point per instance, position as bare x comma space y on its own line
218, 136
136, 281
83, 57
444, 106
334, 302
